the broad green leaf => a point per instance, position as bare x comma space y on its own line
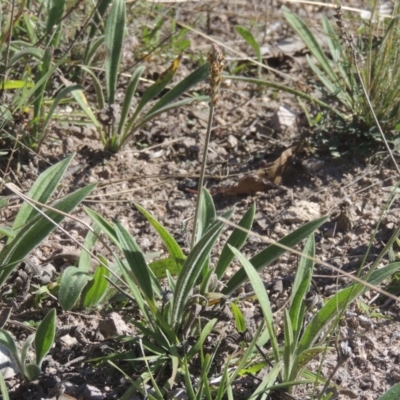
90, 240
262, 296
170, 243
114, 37
41, 191
207, 213
192, 269
97, 288
249, 38
44, 336
273, 252
392, 394
135, 258
71, 285
36, 230
25, 347
54, 13
32, 371
236, 239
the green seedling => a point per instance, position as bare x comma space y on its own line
30, 227
43, 340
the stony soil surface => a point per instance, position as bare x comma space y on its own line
159, 168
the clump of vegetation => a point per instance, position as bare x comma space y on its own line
180, 301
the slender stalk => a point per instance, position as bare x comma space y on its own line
216, 60
202, 173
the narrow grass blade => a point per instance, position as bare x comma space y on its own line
182, 87
338, 302
236, 240
45, 335
3, 387
72, 283
129, 94
310, 41
203, 336
29, 52
102, 6
273, 252
61, 94
79, 96
240, 322
114, 37
304, 358
41, 191
267, 382
156, 88
192, 269
104, 225
98, 90
288, 350
301, 286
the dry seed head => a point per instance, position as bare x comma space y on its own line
344, 35
216, 59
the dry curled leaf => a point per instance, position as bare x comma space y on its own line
260, 181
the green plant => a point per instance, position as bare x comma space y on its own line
115, 130
303, 342
31, 225
252, 41
392, 394
168, 315
43, 340
36, 67
338, 73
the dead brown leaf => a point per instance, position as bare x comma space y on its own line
259, 181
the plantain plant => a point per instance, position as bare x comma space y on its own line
167, 313
117, 127
42, 339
